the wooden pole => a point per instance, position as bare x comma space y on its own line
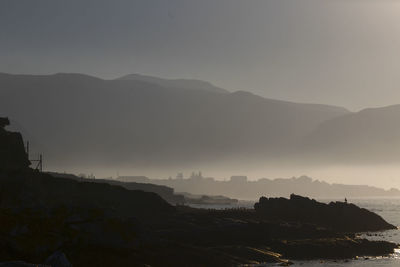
41, 163
27, 148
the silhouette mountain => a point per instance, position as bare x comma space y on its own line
81, 119
175, 83
371, 135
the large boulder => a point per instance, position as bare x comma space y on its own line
339, 216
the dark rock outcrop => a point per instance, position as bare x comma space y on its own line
339, 216
167, 193
12, 150
208, 200
40, 214
38, 190
164, 192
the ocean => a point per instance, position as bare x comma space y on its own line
389, 209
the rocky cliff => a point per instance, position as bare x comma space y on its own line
12, 150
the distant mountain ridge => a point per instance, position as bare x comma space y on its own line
191, 84
80, 119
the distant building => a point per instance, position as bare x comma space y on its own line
238, 179
196, 176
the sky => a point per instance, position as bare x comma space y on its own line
339, 52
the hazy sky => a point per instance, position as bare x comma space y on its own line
342, 52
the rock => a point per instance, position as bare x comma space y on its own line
58, 259
4, 122
339, 216
12, 149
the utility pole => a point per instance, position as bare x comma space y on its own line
27, 149
39, 165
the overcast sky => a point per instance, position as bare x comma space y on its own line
340, 52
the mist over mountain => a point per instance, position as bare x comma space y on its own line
369, 136
78, 119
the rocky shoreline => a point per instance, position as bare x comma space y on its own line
40, 214
64, 222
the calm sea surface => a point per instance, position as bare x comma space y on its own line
389, 209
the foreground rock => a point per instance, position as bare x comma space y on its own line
339, 216
165, 192
102, 225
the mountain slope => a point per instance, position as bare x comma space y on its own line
371, 135
85, 120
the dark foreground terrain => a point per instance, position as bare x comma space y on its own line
97, 224
63, 222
